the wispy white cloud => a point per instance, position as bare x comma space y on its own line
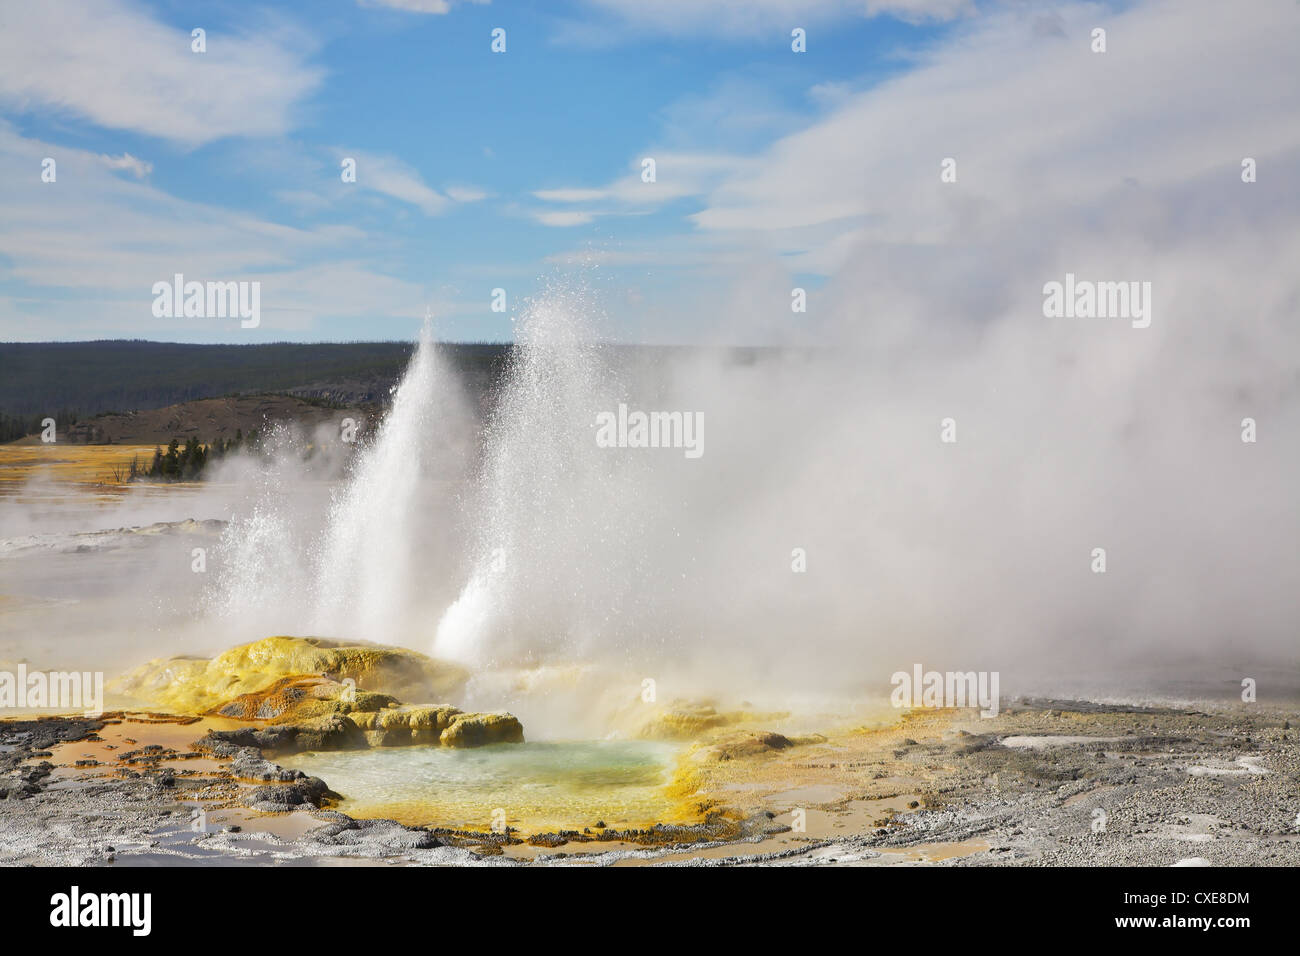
391, 177
394, 178
110, 62
572, 195
830, 94
304, 200
466, 194
81, 254
741, 19
417, 6
1125, 163
677, 176
1082, 125
865, 170
138, 168
562, 219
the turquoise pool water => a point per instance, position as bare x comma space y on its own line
539, 786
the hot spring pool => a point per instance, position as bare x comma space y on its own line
541, 786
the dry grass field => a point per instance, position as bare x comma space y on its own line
85, 465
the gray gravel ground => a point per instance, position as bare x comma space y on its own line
1144, 787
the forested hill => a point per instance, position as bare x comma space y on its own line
74, 382
38, 378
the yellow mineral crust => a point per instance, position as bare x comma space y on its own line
195, 685
446, 726
689, 720
298, 682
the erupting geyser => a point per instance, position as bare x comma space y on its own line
370, 571
359, 564
549, 503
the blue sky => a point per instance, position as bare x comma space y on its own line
478, 170
466, 138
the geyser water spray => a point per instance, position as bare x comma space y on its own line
550, 506
373, 565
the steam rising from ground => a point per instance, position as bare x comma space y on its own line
972, 555
374, 563
351, 543
556, 522
542, 548
532, 545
